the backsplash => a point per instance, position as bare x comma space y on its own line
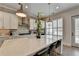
23, 27
20, 30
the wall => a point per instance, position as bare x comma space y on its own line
66, 15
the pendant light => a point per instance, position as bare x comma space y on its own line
49, 12
20, 12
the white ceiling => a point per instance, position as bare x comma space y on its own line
34, 8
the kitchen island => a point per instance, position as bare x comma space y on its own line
25, 46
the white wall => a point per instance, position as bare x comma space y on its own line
67, 23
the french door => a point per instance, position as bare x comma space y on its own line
75, 31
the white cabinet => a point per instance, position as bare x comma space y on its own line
8, 21
14, 22
1, 20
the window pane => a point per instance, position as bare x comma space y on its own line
49, 31
76, 39
54, 31
76, 28
54, 23
77, 32
54, 37
60, 31
60, 37
76, 22
48, 36
49, 25
60, 23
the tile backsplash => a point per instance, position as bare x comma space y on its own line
20, 30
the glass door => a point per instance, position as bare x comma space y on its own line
75, 31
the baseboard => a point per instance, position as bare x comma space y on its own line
67, 45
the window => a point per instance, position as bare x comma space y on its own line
48, 30
54, 29
58, 28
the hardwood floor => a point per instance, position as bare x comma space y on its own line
70, 51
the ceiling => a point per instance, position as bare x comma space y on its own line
43, 8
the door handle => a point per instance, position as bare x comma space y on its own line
72, 34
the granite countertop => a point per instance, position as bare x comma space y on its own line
24, 46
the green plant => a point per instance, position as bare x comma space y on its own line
39, 26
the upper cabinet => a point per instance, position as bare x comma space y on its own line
1, 20
13, 22
8, 21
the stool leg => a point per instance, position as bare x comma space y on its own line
49, 51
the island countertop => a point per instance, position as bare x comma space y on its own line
24, 46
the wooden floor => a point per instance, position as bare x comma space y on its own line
70, 51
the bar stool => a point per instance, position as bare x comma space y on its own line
53, 48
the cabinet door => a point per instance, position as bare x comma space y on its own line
14, 22
1, 20
6, 21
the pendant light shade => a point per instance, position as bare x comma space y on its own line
20, 12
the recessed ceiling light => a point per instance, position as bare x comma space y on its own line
26, 6
57, 7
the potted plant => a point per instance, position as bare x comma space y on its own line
39, 26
